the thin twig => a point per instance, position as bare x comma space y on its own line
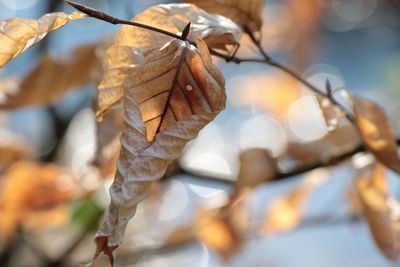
91, 12
268, 60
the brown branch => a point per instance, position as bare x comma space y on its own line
132, 257
283, 175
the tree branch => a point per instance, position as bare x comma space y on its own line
283, 175
91, 12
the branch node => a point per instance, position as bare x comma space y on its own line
186, 32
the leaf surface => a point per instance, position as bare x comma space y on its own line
245, 13
379, 209
376, 132
17, 34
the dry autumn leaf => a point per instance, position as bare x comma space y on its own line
168, 99
31, 191
17, 35
129, 43
333, 143
379, 209
217, 232
256, 166
246, 14
51, 79
286, 212
376, 132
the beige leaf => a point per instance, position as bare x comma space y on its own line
17, 35
256, 166
108, 131
129, 43
245, 13
140, 161
286, 212
380, 210
376, 132
51, 79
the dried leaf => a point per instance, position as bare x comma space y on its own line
129, 43
28, 188
217, 232
151, 88
286, 212
256, 167
51, 79
244, 13
333, 143
17, 35
376, 132
380, 210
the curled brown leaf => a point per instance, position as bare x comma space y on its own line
17, 35
379, 209
376, 132
157, 109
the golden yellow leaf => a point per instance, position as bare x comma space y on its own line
376, 132
17, 35
380, 210
245, 13
256, 166
286, 212
51, 79
130, 42
30, 187
217, 232
141, 161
